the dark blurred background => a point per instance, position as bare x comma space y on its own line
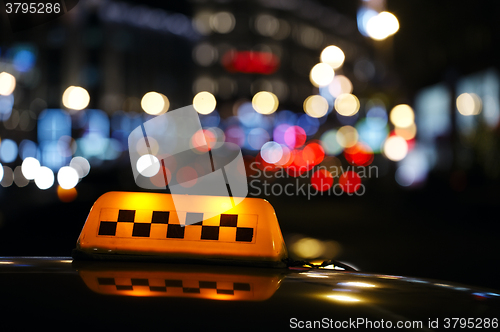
414, 98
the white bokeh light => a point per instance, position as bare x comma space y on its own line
67, 177
44, 178
30, 167
148, 165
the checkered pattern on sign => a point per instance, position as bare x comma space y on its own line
170, 225
177, 286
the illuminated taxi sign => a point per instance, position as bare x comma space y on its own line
229, 286
148, 226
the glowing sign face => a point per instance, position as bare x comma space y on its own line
170, 225
165, 226
172, 150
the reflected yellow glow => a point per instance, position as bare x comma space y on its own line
155, 103
347, 104
75, 98
469, 104
7, 83
347, 136
265, 102
333, 56
6, 263
204, 102
357, 284
321, 74
340, 85
316, 106
395, 148
382, 26
402, 116
343, 298
308, 248
408, 132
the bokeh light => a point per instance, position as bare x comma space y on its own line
66, 195
347, 104
395, 148
402, 116
271, 152
330, 143
265, 102
360, 154
8, 150
75, 98
148, 165
204, 102
333, 56
295, 137
321, 74
316, 106
340, 85
347, 136
407, 133
30, 167
67, 177
222, 22
350, 182
155, 103
322, 180
7, 83
469, 104
44, 178
81, 165
381, 26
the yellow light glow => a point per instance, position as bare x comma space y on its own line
408, 132
267, 244
321, 74
340, 85
155, 103
347, 104
343, 298
316, 106
333, 56
308, 248
75, 98
7, 83
402, 116
265, 102
204, 102
469, 104
357, 284
347, 136
382, 26
395, 148
222, 22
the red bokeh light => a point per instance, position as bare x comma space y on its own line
322, 180
350, 182
250, 62
360, 154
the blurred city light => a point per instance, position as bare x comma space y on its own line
81, 165
8, 150
222, 22
204, 102
271, 152
30, 167
330, 143
321, 74
469, 104
265, 102
155, 103
67, 177
381, 26
395, 148
75, 98
316, 106
44, 178
340, 85
347, 136
402, 116
333, 56
7, 83
347, 104
148, 165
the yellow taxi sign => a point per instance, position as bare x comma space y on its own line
132, 225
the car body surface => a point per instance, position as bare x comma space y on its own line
58, 292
